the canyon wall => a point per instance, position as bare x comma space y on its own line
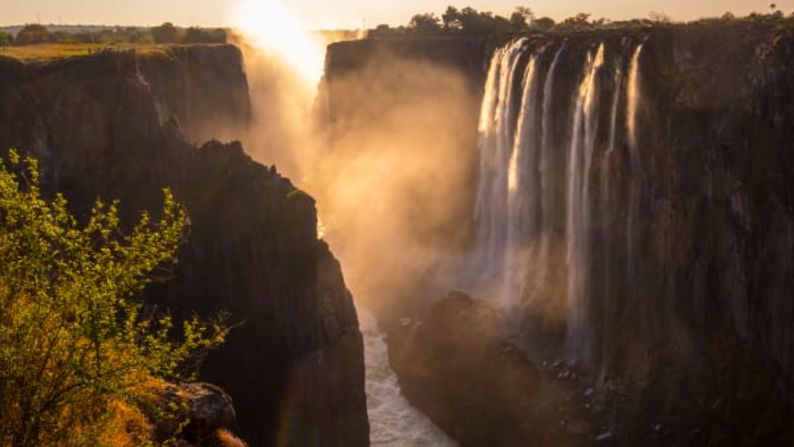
665, 204
118, 125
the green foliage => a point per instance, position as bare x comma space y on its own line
296, 193
166, 33
6, 39
73, 342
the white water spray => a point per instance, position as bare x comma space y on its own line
578, 225
497, 124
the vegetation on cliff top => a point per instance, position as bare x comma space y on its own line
79, 358
34, 34
471, 22
37, 42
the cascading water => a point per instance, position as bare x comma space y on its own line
538, 185
580, 155
393, 421
522, 190
632, 104
497, 125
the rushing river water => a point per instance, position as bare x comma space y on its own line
393, 421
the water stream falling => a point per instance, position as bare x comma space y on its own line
632, 102
497, 125
580, 155
543, 190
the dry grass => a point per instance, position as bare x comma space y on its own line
52, 51
226, 439
128, 427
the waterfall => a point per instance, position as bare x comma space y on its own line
546, 172
632, 104
546, 198
496, 129
578, 225
607, 209
633, 97
522, 190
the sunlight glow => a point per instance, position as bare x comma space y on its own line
270, 26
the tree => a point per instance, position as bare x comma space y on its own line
451, 19
6, 39
582, 18
165, 33
32, 34
73, 342
522, 17
425, 23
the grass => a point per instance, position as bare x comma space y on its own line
53, 51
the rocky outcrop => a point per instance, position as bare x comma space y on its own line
113, 125
458, 367
207, 409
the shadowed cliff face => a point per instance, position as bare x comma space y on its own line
687, 310
113, 126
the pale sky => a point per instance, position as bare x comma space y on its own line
349, 13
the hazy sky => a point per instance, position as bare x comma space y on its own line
349, 13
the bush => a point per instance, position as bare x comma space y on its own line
73, 342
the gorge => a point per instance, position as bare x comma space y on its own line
564, 238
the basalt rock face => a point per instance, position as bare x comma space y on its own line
113, 125
489, 393
688, 310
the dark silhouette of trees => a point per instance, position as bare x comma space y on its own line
32, 34
165, 33
522, 17
543, 24
425, 23
195, 35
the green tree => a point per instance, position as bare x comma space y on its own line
73, 342
6, 39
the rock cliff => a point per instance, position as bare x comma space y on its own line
689, 305
118, 125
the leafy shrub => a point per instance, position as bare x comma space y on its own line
73, 342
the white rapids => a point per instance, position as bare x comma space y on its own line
393, 422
